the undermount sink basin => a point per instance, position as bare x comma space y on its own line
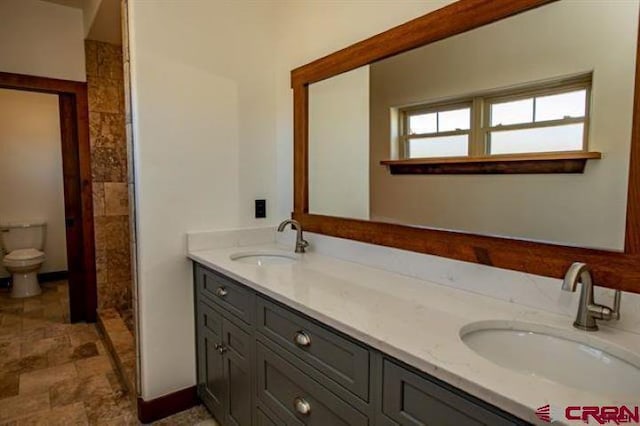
571, 358
263, 258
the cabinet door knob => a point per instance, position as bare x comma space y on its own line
302, 339
302, 406
221, 292
222, 349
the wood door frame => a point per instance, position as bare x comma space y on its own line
611, 269
76, 162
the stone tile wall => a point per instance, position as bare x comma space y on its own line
105, 81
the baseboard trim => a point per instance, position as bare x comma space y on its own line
53, 276
43, 278
164, 406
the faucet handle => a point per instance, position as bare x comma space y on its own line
605, 312
615, 311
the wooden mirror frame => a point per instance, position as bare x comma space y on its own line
619, 270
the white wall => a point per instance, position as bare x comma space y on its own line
586, 210
212, 112
339, 145
31, 168
204, 130
41, 38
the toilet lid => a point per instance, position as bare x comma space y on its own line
24, 254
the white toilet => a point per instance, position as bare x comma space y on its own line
22, 244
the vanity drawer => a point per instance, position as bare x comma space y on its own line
288, 391
233, 297
340, 359
411, 399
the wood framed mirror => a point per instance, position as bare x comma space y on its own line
615, 268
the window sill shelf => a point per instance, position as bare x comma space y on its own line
557, 162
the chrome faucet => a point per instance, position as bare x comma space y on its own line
588, 310
301, 243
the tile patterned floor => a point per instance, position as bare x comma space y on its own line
56, 373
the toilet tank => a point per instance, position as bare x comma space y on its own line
22, 235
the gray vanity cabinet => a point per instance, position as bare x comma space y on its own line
261, 363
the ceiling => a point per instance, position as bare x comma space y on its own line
101, 18
105, 25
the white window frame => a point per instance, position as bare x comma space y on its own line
480, 105
407, 113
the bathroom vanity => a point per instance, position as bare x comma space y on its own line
286, 338
261, 362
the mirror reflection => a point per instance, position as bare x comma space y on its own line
530, 89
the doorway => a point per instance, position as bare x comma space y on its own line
78, 202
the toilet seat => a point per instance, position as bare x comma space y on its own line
23, 257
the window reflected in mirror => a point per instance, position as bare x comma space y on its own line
547, 117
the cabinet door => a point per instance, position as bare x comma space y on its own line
211, 378
238, 354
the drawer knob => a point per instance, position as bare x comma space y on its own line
302, 406
302, 339
221, 292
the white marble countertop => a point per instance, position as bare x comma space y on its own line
419, 323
